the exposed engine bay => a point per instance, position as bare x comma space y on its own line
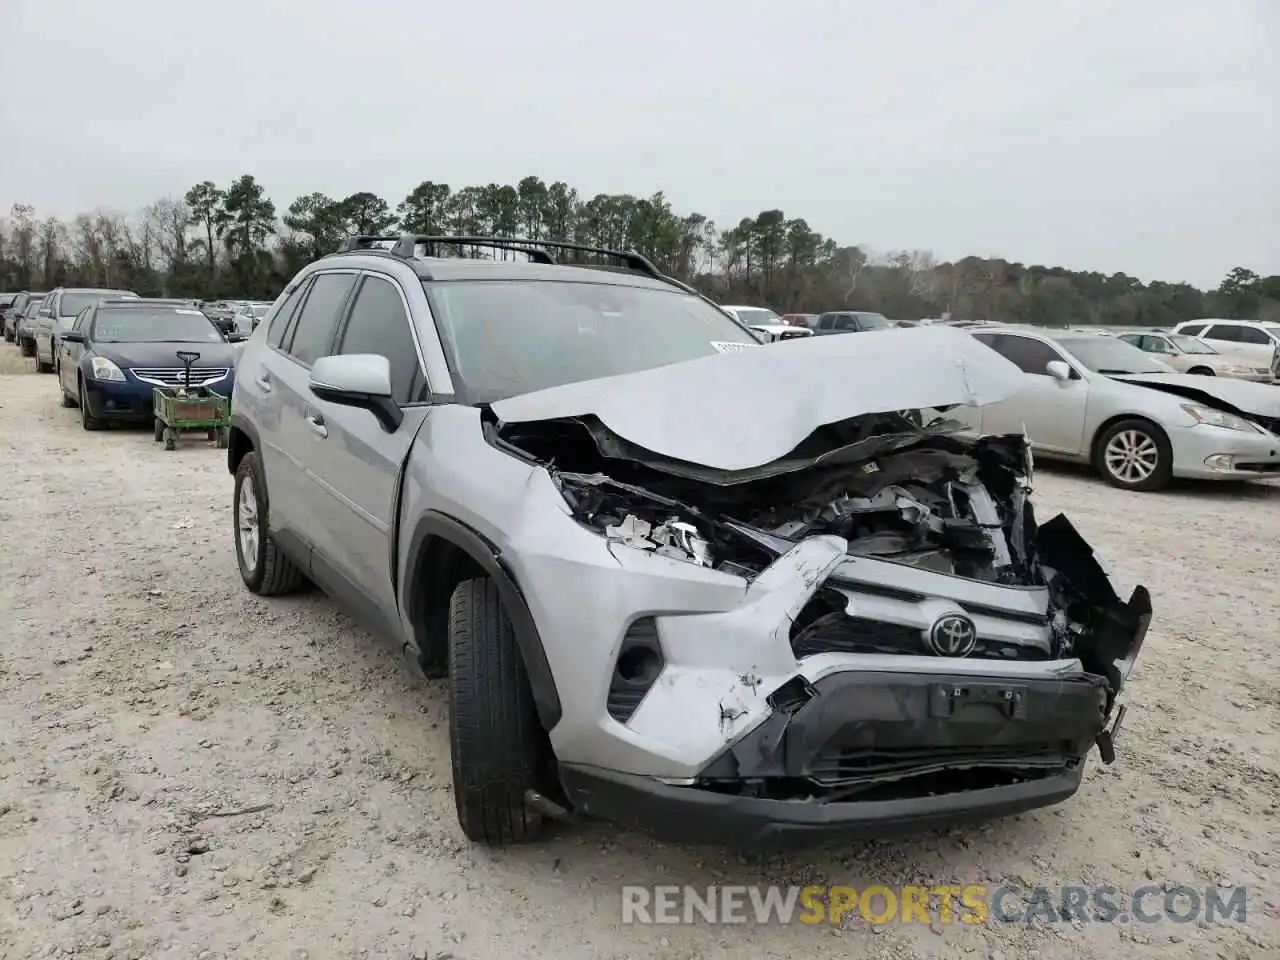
918, 497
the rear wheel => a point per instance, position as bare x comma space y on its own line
1202, 371
1135, 455
27, 346
264, 568
496, 743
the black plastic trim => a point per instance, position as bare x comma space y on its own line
692, 815
489, 559
242, 423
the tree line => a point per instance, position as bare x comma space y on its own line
232, 241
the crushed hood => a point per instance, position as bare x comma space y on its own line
1234, 396
742, 409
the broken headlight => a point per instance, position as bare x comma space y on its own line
1218, 418
674, 538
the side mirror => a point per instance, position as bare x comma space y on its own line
1059, 370
73, 336
361, 380
235, 337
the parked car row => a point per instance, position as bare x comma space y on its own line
110, 348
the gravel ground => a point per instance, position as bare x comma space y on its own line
189, 771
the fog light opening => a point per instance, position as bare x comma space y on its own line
639, 666
1222, 462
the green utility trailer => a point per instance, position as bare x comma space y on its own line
188, 409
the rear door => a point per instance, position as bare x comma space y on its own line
355, 466
285, 380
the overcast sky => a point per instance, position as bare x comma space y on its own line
1134, 135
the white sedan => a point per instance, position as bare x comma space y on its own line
1098, 400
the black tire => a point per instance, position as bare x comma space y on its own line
42, 367
157, 430
496, 744
87, 419
222, 438
68, 400
27, 347
1163, 470
270, 573
1202, 371
8, 336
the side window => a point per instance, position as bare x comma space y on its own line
1223, 331
1156, 345
1031, 356
1194, 330
1252, 335
845, 321
824, 321
317, 319
1135, 339
379, 324
280, 322
82, 321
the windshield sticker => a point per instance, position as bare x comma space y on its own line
726, 347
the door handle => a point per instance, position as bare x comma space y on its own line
316, 423
264, 383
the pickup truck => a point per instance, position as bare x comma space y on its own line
850, 321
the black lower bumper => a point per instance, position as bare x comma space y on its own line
126, 404
698, 816
861, 754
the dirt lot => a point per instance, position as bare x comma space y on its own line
149, 704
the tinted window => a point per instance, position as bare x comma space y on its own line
1134, 338
1252, 335
318, 319
1031, 356
82, 321
1223, 331
873, 321
844, 321
378, 324
280, 322
1194, 330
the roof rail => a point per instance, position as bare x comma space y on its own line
538, 250
365, 242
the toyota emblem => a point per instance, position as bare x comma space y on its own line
953, 636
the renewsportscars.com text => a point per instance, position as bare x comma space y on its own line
937, 904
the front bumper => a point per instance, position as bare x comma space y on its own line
1211, 453
132, 400
866, 753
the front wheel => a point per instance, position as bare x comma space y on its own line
1135, 455
87, 419
27, 347
495, 740
1202, 371
264, 568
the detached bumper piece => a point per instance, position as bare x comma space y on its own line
869, 754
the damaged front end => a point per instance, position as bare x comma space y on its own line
938, 640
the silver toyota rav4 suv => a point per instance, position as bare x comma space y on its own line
675, 579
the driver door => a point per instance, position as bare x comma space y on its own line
1050, 411
70, 354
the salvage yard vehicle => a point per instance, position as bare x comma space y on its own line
1190, 355
675, 578
1096, 399
851, 321
25, 329
119, 350
15, 311
1258, 341
768, 324
58, 313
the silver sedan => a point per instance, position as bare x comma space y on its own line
1097, 400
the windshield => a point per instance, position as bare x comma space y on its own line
1109, 355
1273, 329
756, 316
1190, 344
511, 337
153, 325
76, 300
873, 321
